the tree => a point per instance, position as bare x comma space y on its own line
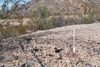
6, 11
7, 30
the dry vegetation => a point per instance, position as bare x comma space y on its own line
39, 20
90, 13
50, 48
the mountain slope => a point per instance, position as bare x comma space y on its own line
61, 6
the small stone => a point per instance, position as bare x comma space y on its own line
34, 49
14, 64
1, 58
59, 57
22, 65
87, 64
98, 42
50, 54
28, 39
57, 50
16, 57
2, 65
1, 45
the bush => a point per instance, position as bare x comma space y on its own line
41, 12
30, 25
57, 22
57, 14
21, 29
67, 14
7, 31
89, 13
98, 15
39, 17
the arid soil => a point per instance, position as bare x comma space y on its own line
69, 46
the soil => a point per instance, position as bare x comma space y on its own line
69, 46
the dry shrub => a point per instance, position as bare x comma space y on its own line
7, 31
21, 29
39, 17
89, 14
30, 25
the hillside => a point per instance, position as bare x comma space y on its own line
60, 6
54, 48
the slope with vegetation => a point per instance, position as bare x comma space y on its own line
62, 6
42, 18
67, 46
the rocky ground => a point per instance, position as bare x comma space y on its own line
71, 46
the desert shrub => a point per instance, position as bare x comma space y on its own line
98, 18
43, 12
67, 14
98, 15
60, 21
57, 22
89, 13
73, 19
64, 20
37, 24
30, 25
7, 31
57, 14
21, 29
48, 26
1, 15
39, 17
50, 23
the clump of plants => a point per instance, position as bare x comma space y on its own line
39, 17
30, 25
89, 14
21, 29
7, 30
98, 15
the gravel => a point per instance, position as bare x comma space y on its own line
54, 48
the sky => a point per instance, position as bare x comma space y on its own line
1, 2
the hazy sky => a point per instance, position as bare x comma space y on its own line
1, 2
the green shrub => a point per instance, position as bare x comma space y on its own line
39, 17
43, 12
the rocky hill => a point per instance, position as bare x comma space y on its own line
60, 6
71, 46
